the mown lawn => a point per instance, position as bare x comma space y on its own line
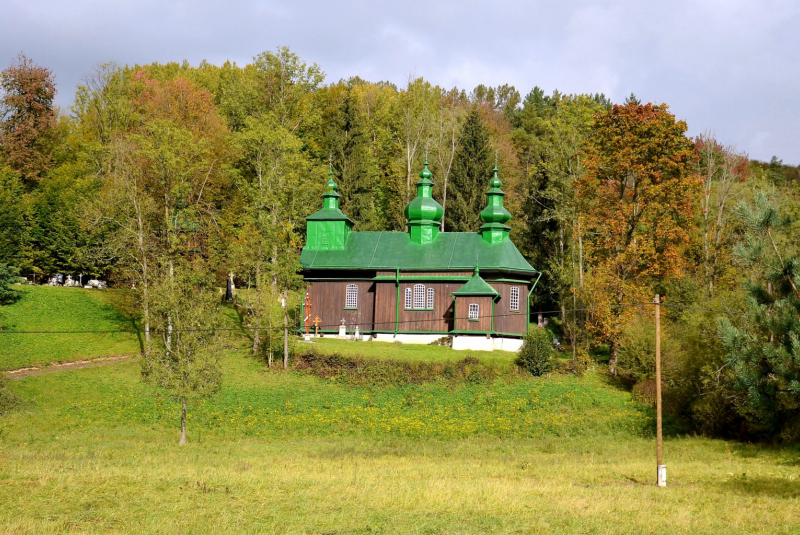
411, 352
93, 450
44, 308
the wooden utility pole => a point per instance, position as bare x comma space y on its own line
285, 329
661, 469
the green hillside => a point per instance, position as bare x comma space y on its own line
44, 308
94, 450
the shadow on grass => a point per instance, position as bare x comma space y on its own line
771, 487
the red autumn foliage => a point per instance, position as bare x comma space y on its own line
27, 118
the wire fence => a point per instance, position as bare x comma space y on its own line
374, 324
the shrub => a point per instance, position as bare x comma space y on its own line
579, 363
537, 353
637, 351
357, 370
8, 276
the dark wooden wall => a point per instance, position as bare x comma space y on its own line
328, 299
440, 319
484, 323
505, 320
377, 305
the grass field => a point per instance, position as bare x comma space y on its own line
95, 451
44, 308
411, 352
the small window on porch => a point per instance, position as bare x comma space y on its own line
408, 298
474, 311
351, 296
430, 298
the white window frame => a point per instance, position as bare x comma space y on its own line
514, 300
474, 311
351, 296
419, 296
429, 302
408, 298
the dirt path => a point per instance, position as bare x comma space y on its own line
88, 363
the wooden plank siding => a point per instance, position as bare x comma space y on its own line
484, 322
435, 274
440, 319
377, 306
328, 300
506, 320
385, 306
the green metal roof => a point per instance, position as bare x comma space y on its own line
393, 250
476, 286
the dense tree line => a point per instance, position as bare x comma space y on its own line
173, 178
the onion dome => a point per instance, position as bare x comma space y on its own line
423, 213
495, 216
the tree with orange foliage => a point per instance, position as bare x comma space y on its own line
635, 202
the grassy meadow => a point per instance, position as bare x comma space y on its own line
96, 451
44, 308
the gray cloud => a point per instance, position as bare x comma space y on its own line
727, 66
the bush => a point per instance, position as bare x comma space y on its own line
8, 276
360, 371
637, 351
537, 353
579, 363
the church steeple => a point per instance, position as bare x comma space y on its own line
328, 229
495, 216
423, 213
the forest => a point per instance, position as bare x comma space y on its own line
171, 179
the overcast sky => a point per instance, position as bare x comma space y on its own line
731, 67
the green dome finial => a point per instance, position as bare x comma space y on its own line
495, 216
425, 174
423, 213
330, 184
495, 182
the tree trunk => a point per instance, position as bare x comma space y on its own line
183, 423
612, 361
286, 329
256, 340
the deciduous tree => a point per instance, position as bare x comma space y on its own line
27, 118
636, 198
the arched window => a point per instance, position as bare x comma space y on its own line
514, 305
419, 296
408, 297
351, 296
430, 298
474, 311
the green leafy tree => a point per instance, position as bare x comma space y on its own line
183, 361
8, 276
13, 216
764, 350
472, 167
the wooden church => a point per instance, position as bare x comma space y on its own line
421, 285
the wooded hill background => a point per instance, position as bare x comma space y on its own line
212, 169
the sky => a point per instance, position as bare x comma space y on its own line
728, 67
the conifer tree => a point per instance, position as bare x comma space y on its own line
764, 350
470, 175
